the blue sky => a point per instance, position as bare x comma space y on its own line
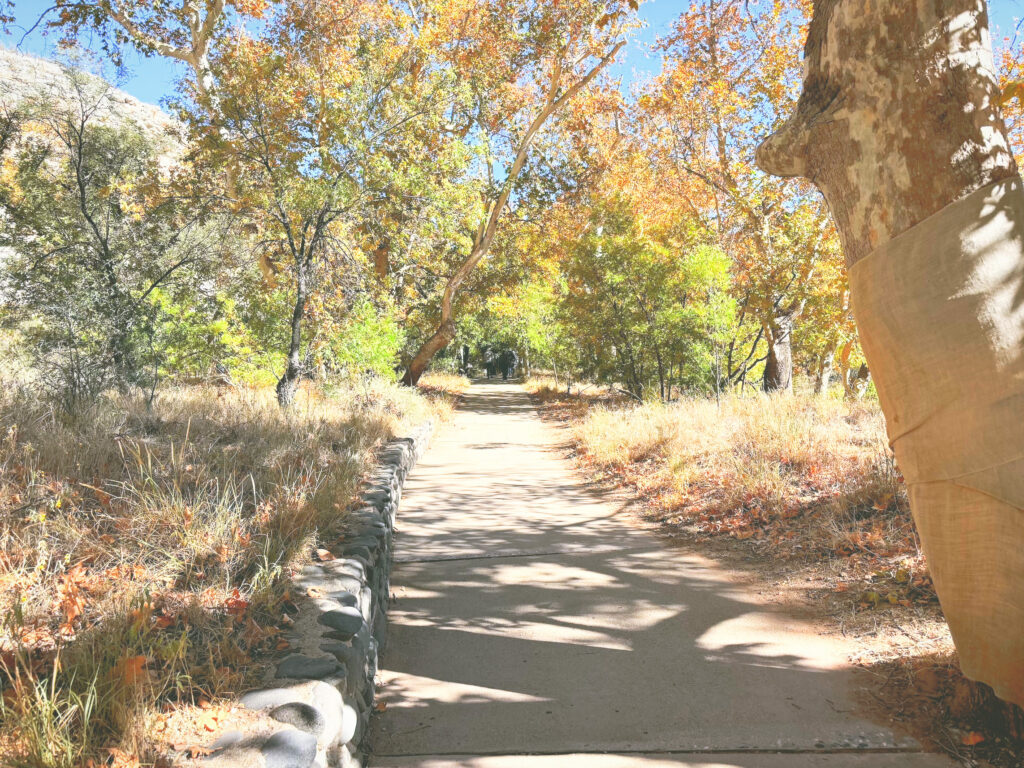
152, 79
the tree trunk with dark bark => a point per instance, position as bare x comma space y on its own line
778, 367
288, 384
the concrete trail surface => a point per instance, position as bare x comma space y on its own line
535, 627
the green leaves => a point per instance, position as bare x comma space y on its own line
648, 310
100, 245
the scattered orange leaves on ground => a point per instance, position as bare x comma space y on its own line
72, 599
235, 604
801, 478
130, 670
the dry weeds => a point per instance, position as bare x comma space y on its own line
145, 554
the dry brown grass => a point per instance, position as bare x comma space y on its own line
801, 478
145, 553
811, 478
748, 465
574, 405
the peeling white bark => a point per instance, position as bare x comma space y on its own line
899, 115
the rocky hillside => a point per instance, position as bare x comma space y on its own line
23, 76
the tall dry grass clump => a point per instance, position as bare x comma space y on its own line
145, 552
748, 465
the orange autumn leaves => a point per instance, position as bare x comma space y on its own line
130, 670
731, 74
79, 585
163, 611
72, 599
253, 8
1011, 66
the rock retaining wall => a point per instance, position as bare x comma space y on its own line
317, 710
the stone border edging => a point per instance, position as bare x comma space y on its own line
326, 692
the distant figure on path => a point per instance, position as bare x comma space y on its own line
511, 363
489, 361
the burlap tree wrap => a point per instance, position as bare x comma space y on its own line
941, 316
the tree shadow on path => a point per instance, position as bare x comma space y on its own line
531, 618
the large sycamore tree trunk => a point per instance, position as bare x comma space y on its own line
899, 126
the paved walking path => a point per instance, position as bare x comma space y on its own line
535, 628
